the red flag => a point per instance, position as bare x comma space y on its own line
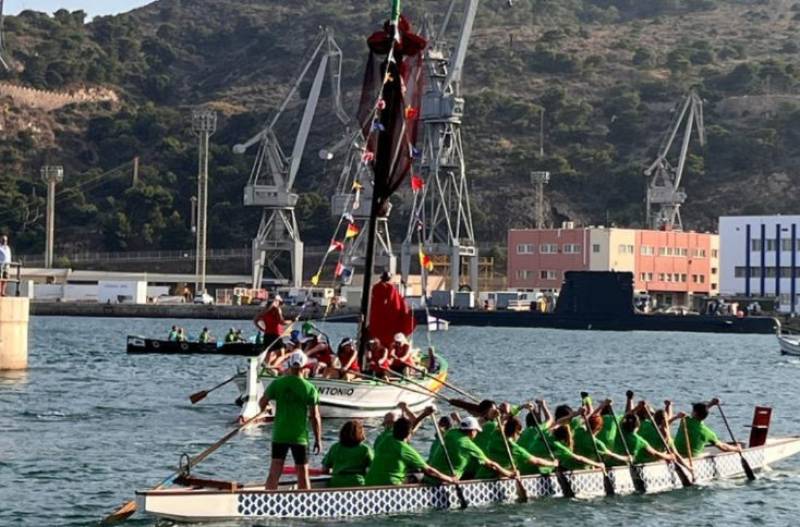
417, 183
339, 269
389, 314
411, 113
367, 156
336, 246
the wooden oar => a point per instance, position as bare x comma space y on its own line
688, 443
636, 476
521, 490
426, 393
459, 490
745, 465
202, 394
685, 481
563, 480
127, 509
607, 483
446, 384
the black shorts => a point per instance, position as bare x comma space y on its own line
272, 341
299, 452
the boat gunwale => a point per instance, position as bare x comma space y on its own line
175, 491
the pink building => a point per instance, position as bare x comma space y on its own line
669, 265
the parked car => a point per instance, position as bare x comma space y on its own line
204, 298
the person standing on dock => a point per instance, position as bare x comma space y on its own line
5, 263
270, 322
296, 400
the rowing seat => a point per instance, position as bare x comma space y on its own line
760, 427
188, 481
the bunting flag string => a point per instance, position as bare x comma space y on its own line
425, 261
352, 231
417, 183
336, 246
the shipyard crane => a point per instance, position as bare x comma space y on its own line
3, 37
441, 210
664, 193
272, 177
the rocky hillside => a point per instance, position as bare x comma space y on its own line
606, 73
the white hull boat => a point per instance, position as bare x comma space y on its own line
232, 502
790, 344
348, 399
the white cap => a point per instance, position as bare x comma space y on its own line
278, 298
399, 337
297, 359
469, 423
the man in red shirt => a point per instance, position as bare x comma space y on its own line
271, 322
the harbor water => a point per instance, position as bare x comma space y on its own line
87, 424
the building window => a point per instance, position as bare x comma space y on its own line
661, 277
694, 278
572, 248
683, 278
702, 279
642, 277
683, 251
525, 248
713, 270
714, 286
523, 274
649, 277
595, 247
714, 253
646, 250
662, 251
548, 275
676, 277
548, 248
755, 245
771, 244
739, 272
699, 253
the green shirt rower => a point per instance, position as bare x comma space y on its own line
395, 459
348, 464
462, 450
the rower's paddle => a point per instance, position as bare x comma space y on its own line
445, 383
127, 509
745, 465
636, 476
459, 490
685, 481
563, 480
522, 492
607, 483
202, 394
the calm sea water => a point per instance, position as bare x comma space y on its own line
87, 424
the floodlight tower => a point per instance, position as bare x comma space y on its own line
442, 208
204, 124
271, 182
51, 174
539, 180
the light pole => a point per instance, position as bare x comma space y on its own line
539, 180
51, 174
204, 124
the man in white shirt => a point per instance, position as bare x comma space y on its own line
5, 263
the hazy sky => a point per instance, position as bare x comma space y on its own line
92, 7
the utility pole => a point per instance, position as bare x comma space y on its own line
204, 124
51, 174
539, 180
135, 171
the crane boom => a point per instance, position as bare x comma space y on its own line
457, 61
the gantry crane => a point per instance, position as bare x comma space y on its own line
664, 193
272, 178
3, 62
442, 208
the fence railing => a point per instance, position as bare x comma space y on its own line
10, 273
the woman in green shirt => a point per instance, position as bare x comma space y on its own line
639, 448
496, 450
564, 450
348, 460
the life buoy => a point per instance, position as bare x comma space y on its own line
184, 346
156, 344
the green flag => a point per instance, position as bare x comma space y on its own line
395, 10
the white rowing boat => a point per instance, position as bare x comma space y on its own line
790, 344
348, 399
252, 502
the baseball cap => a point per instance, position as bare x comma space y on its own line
469, 423
297, 359
278, 298
399, 337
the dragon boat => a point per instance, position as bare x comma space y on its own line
198, 500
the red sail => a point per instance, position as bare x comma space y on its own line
389, 314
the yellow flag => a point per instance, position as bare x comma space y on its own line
315, 279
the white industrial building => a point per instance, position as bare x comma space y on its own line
758, 258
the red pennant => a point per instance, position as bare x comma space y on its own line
339, 269
336, 246
411, 112
417, 183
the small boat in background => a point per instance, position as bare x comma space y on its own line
437, 324
790, 344
138, 345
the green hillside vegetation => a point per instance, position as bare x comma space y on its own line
606, 73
